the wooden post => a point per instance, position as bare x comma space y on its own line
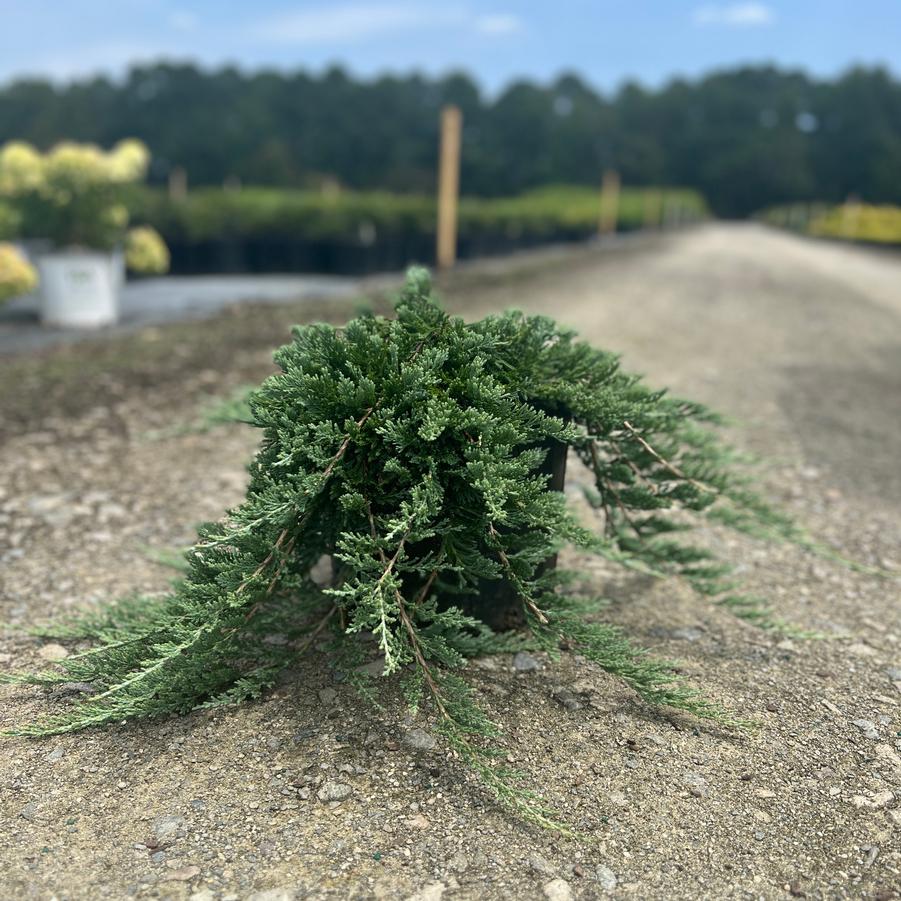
448, 186
609, 215
178, 183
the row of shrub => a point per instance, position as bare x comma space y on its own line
265, 229
849, 221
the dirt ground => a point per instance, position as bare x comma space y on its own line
800, 342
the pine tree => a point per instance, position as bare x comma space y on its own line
411, 451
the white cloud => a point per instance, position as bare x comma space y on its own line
735, 15
355, 22
182, 20
499, 24
351, 23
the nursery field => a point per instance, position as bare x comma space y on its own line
260, 229
861, 222
110, 457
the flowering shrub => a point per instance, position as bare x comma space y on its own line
860, 222
75, 195
17, 276
145, 251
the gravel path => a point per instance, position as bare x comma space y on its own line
155, 301
307, 794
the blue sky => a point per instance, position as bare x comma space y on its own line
607, 41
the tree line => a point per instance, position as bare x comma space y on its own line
747, 138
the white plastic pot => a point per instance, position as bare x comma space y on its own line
79, 289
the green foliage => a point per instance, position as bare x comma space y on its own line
745, 138
350, 216
410, 451
847, 222
75, 195
9, 222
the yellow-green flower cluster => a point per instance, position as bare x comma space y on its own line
69, 168
74, 195
860, 222
146, 252
17, 275
21, 169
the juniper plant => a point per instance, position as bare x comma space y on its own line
411, 451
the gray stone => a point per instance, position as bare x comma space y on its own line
168, 828
334, 791
53, 652
605, 877
689, 633
569, 700
696, 784
540, 865
29, 812
373, 668
327, 695
868, 727
557, 890
65, 689
894, 673
524, 662
459, 863
55, 754
419, 740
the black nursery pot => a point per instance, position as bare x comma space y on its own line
498, 604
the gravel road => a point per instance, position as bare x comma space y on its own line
308, 794
157, 301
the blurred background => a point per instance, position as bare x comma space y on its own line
304, 137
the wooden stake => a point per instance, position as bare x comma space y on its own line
609, 203
178, 183
448, 186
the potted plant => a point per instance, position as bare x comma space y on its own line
75, 198
425, 456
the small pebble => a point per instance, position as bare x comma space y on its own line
29, 812
565, 697
524, 662
697, 785
606, 877
689, 633
167, 828
557, 890
334, 791
53, 652
867, 727
327, 695
540, 865
419, 740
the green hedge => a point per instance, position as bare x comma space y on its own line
215, 213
